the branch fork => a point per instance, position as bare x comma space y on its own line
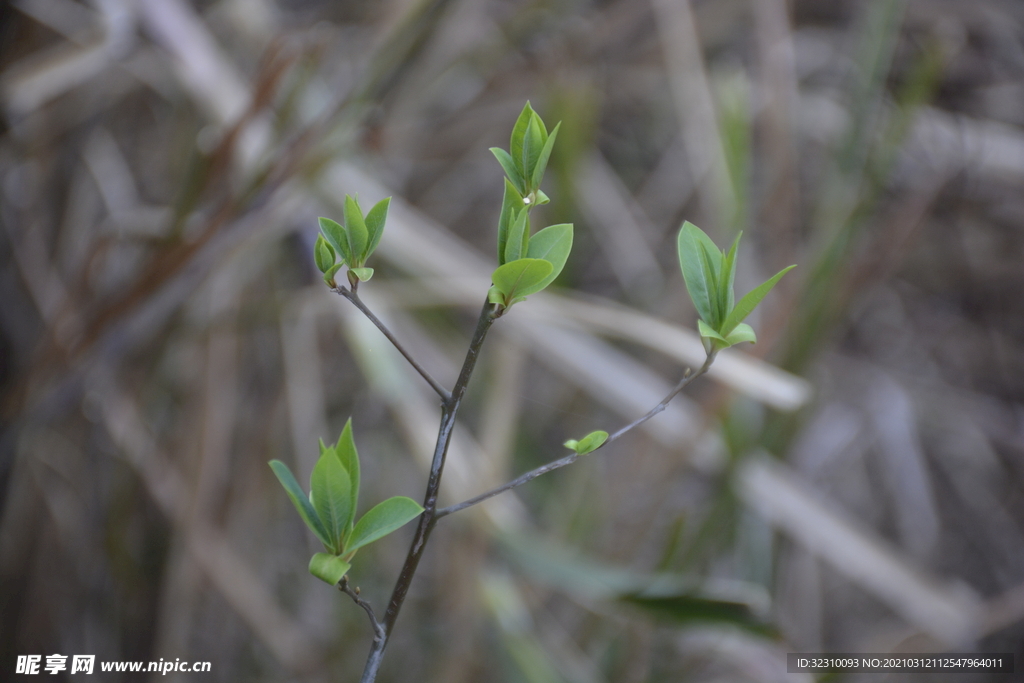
450, 404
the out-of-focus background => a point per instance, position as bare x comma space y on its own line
852, 483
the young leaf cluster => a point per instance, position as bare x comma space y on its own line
527, 158
330, 509
709, 275
526, 264
353, 242
591, 442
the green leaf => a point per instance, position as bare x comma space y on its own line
542, 198
727, 298
700, 270
299, 500
363, 274
571, 444
521, 278
382, 519
517, 239
323, 254
331, 495
515, 146
349, 458
542, 160
742, 333
328, 568
511, 202
375, 225
331, 272
533, 143
552, 244
337, 237
358, 237
591, 442
749, 302
707, 332
511, 170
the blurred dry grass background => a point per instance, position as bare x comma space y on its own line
855, 482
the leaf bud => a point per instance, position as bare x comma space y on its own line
323, 254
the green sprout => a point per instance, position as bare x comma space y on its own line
709, 275
330, 509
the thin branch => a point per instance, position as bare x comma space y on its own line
519, 481
449, 412
687, 378
378, 628
351, 295
572, 457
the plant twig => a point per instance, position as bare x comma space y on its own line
572, 457
378, 628
687, 378
351, 295
449, 411
508, 486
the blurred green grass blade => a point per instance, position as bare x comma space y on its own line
527, 652
735, 131
692, 610
679, 598
849, 192
531, 658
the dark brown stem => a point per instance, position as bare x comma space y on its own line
571, 458
351, 295
449, 411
